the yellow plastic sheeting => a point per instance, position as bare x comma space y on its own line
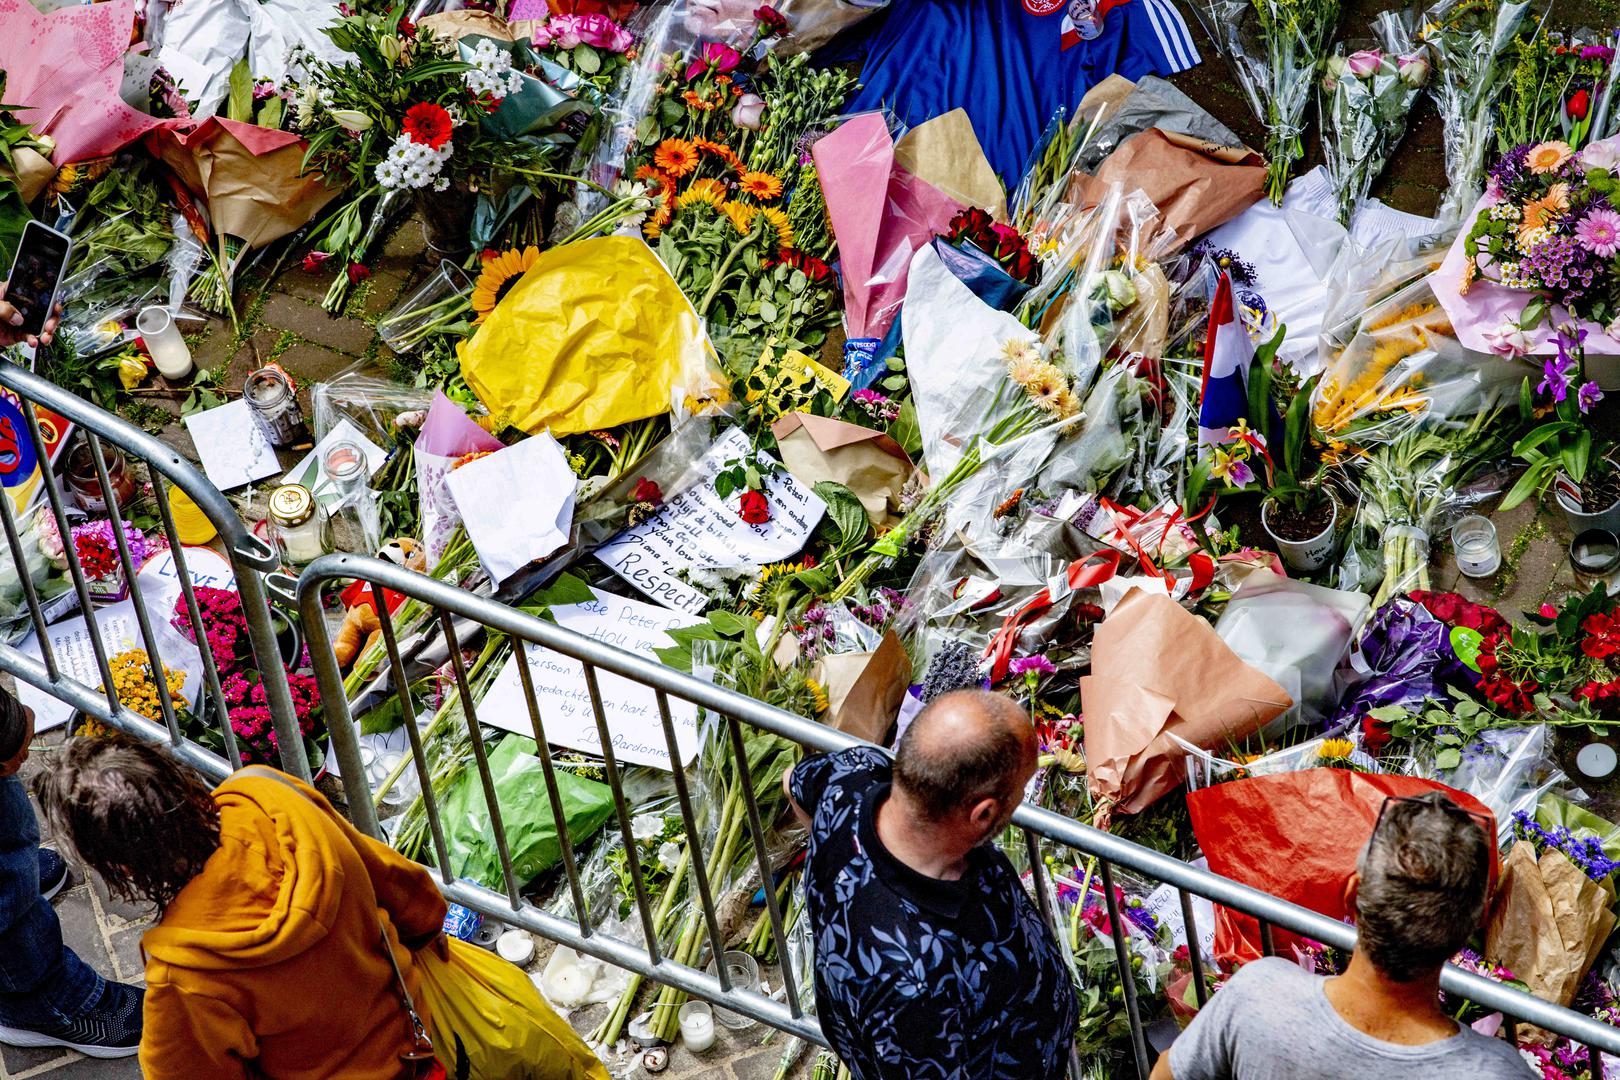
595, 334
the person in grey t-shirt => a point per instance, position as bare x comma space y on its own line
1418, 894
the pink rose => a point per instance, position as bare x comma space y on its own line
1365, 62
602, 32
719, 18
1414, 69
562, 31
715, 56
1507, 340
748, 112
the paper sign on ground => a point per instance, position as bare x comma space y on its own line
232, 445
159, 577
311, 472
696, 529
633, 719
76, 659
517, 503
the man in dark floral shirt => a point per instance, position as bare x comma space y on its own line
932, 962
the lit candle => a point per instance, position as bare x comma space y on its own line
697, 1026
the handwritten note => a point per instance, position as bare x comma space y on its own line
517, 503
631, 709
232, 445
696, 529
76, 658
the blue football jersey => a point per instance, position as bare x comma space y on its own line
1012, 64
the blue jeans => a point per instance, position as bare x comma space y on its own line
43, 983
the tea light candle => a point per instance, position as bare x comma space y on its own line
169, 350
697, 1026
1596, 760
515, 947
1478, 552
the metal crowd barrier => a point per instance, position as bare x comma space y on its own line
91, 691
461, 614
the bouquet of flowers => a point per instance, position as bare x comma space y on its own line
1554, 89
1274, 47
1466, 39
1366, 96
592, 46
403, 118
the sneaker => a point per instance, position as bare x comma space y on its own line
109, 1029
53, 873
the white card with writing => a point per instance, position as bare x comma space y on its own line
517, 503
631, 709
76, 658
232, 445
696, 529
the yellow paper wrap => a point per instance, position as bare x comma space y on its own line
594, 335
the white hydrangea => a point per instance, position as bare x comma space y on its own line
492, 72
410, 164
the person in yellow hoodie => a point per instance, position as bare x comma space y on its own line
268, 958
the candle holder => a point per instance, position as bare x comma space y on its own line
697, 1026
1479, 554
1594, 552
168, 349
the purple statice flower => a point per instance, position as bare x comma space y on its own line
1241, 270
1588, 395
1032, 665
1586, 852
1599, 232
1556, 376
1560, 264
1511, 168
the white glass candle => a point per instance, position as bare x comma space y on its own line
162, 337
1474, 540
697, 1026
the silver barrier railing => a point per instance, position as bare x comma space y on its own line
248, 555
460, 614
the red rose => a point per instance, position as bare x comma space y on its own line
1374, 735
647, 491
358, 273
407, 29
1578, 105
1548, 611
754, 509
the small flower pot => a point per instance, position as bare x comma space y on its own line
1582, 518
1307, 555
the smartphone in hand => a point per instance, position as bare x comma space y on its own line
36, 275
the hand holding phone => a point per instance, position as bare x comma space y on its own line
28, 308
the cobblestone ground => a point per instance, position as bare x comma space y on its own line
280, 319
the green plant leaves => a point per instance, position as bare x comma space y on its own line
847, 514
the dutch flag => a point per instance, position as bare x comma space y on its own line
1228, 355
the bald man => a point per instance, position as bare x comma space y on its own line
932, 962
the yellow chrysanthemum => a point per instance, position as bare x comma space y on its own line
498, 276
677, 157
761, 185
741, 215
704, 190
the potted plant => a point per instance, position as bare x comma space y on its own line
1298, 513
1562, 452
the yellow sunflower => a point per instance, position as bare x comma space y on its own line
779, 222
677, 157
705, 191
741, 215
761, 185
498, 276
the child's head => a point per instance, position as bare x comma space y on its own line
16, 732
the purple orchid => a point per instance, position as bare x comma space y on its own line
1556, 376
1588, 395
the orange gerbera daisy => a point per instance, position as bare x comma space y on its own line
741, 215
1547, 156
719, 150
761, 185
779, 222
677, 157
1544, 210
